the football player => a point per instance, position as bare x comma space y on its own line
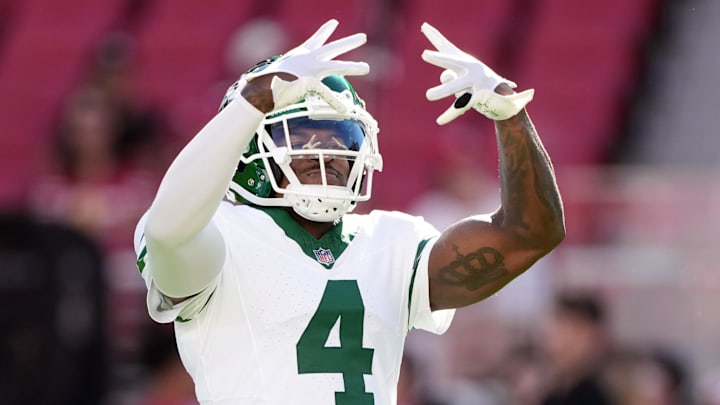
279, 294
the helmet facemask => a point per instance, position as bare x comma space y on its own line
337, 151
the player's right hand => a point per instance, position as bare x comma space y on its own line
310, 62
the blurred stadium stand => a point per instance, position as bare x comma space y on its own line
582, 57
179, 54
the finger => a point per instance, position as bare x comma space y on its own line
444, 60
345, 68
449, 115
341, 46
438, 40
447, 89
321, 35
447, 75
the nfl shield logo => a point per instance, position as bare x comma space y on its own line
324, 256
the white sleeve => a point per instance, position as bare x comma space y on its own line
187, 248
159, 307
421, 316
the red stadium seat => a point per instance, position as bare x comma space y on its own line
181, 48
302, 18
582, 57
475, 26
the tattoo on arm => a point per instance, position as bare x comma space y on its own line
545, 187
525, 162
475, 269
513, 173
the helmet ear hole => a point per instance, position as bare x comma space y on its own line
253, 178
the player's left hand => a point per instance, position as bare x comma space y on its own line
471, 81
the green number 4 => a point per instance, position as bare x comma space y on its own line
341, 299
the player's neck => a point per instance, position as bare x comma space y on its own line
316, 229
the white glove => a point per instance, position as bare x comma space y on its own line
310, 63
472, 82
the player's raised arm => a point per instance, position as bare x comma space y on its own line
479, 255
186, 249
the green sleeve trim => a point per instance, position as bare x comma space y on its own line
141, 260
183, 320
419, 250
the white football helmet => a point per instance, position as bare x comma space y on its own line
291, 133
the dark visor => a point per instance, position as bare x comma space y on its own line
306, 133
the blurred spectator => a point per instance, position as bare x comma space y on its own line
662, 379
95, 182
92, 181
524, 373
140, 129
649, 377
53, 339
575, 340
108, 154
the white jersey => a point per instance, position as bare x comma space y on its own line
296, 320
